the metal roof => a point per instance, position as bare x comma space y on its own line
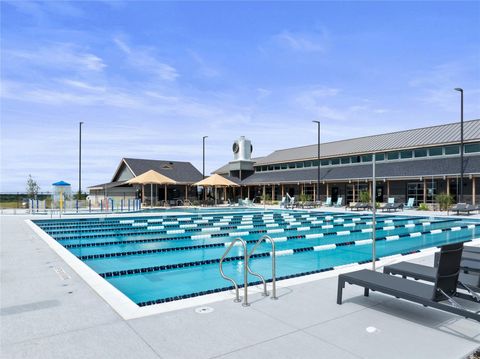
226, 168
390, 169
420, 137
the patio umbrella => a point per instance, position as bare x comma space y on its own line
152, 177
215, 181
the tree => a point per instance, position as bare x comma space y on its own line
32, 187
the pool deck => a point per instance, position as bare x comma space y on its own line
48, 311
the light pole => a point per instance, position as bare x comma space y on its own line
461, 142
318, 159
203, 167
80, 160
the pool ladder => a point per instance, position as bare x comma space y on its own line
247, 269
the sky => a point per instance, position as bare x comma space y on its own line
150, 79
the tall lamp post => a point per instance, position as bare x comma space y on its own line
203, 167
80, 160
318, 159
461, 142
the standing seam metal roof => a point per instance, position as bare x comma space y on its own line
427, 136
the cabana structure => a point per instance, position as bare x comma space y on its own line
215, 181
152, 177
183, 173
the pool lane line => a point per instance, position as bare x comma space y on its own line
225, 228
258, 255
207, 236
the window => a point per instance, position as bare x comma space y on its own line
315, 163
335, 161
325, 162
392, 155
367, 158
276, 167
355, 159
452, 150
270, 168
299, 165
421, 152
345, 160
291, 165
258, 169
308, 164
264, 168
380, 157
472, 147
435, 151
283, 166
406, 154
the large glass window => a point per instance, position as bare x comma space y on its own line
276, 167
367, 158
355, 159
380, 157
315, 163
472, 147
392, 155
283, 166
421, 152
299, 165
335, 161
452, 150
291, 165
325, 162
345, 160
270, 167
308, 164
406, 154
435, 151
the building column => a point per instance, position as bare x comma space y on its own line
424, 190
473, 190
328, 192
248, 192
224, 193
241, 192
370, 189
314, 192
186, 192
353, 193
264, 193
302, 188
273, 192
448, 185
388, 188
283, 190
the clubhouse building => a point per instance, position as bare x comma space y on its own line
418, 163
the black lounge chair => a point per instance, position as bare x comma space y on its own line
463, 208
360, 206
469, 282
435, 296
391, 207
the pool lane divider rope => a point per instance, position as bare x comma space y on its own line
217, 235
205, 235
264, 254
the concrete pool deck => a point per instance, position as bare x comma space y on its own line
48, 311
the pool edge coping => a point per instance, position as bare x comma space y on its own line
127, 309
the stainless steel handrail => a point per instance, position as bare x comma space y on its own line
274, 284
245, 271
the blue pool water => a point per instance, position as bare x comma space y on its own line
159, 258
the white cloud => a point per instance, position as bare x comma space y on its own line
57, 56
304, 42
143, 59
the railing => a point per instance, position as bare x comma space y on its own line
272, 254
245, 271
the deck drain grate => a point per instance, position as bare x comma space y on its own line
204, 310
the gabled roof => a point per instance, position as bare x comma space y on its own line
181, 172
419, 137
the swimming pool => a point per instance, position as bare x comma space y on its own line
162, 258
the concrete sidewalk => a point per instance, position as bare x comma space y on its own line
47, 311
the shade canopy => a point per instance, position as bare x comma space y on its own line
151, 177
217, 181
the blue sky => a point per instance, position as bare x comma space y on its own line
149, 79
